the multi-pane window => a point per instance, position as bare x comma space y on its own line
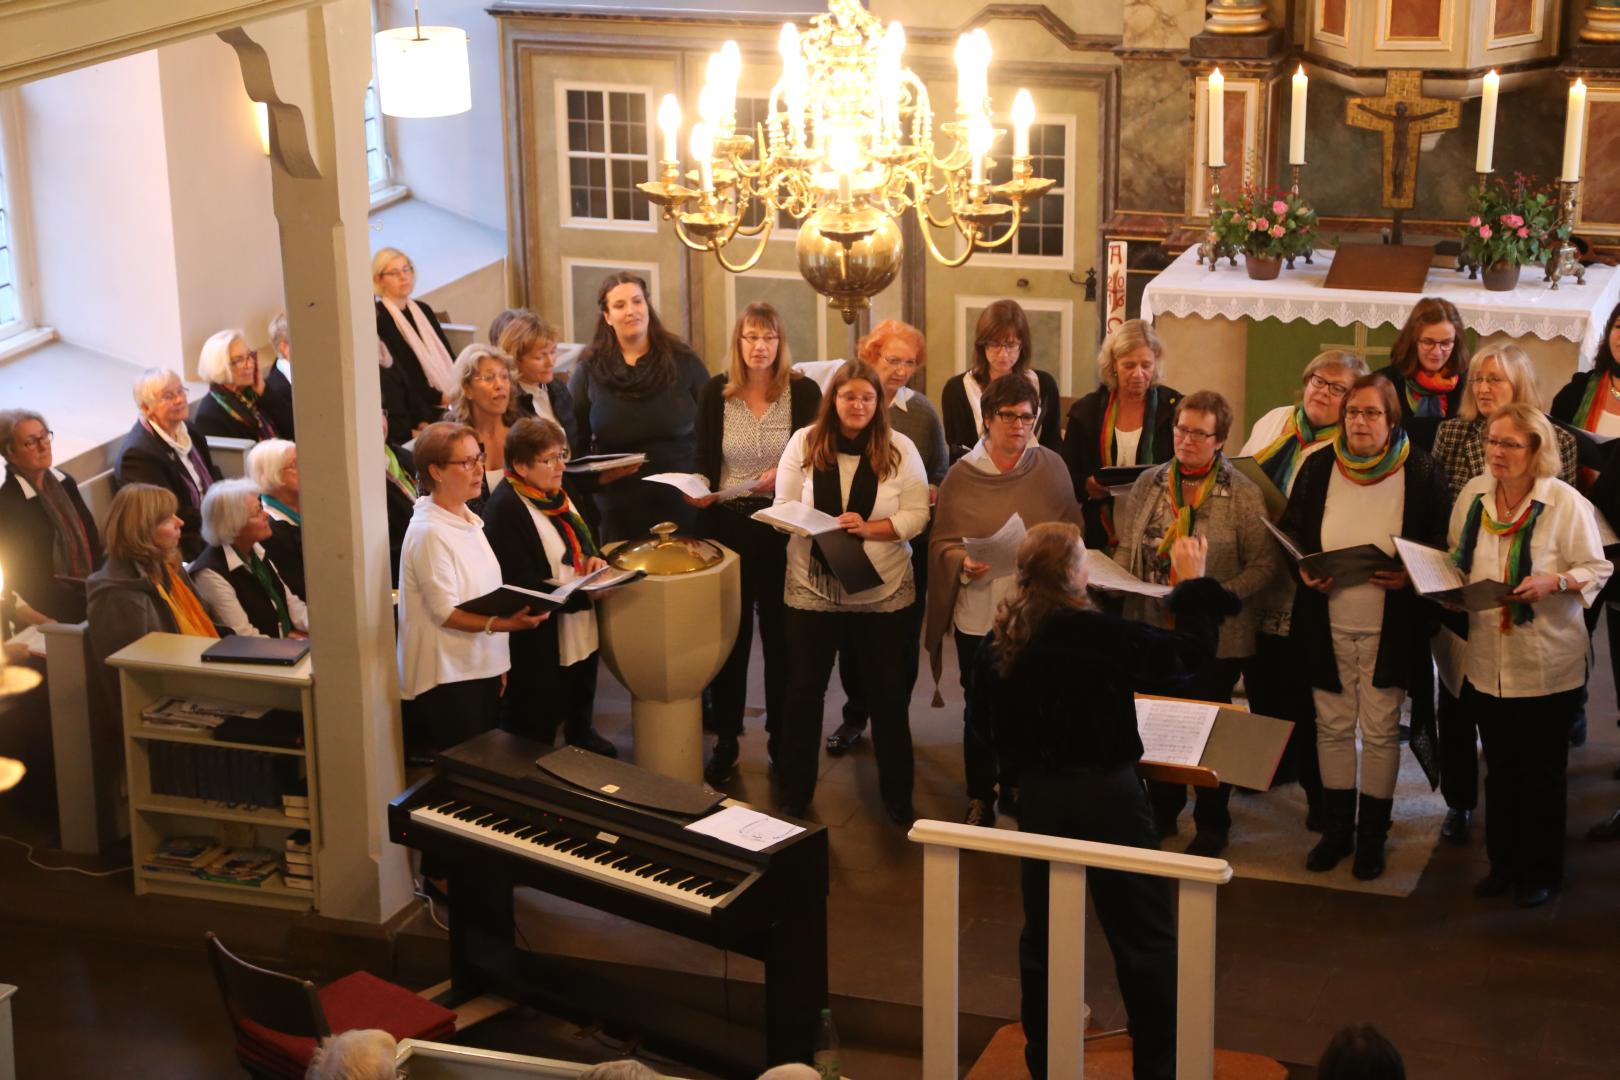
376, 154
609, 153
11, 314
753, 116
1041, 232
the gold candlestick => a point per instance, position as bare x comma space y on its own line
1212, 247
1565, 261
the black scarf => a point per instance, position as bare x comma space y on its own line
829, 494
648, 377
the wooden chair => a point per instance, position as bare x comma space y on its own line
280, 1019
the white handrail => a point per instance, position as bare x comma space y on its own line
943, 842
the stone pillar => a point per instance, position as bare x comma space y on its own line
311, 68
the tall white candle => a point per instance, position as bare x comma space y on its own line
1574, 129
669, 119
1217, 118
787, 46
1296, 119
1487, 123
703, 149
1023, 112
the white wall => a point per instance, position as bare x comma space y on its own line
99, 202
456, 162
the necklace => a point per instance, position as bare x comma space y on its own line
1614, 388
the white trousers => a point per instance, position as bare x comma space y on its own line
1375, 710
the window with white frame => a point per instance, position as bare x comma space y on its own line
13, 307
376, 152
1043, 232
608, 142
753, 115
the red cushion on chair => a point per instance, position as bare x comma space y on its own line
360, 1000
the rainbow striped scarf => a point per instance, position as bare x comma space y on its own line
575, 533
1587, 415
1426, 394
1184, 509
1280, 460
1374, 467
1522, 531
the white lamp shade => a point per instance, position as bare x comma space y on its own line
426, 76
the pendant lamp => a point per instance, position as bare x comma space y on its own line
422, 71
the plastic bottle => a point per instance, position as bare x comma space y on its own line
827, 1059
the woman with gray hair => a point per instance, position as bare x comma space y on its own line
234, 407
164, 449
278, 376
238, 586
1125, 421
360, 1054
48, 540
273, 466
483, 400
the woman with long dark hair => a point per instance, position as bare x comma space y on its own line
1428, 367
1002, 345
1053, 686
637, 391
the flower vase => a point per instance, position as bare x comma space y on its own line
1263, 267
1501, 276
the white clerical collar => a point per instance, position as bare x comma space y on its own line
902, 396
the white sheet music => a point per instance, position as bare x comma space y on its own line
746, 828
1106, 574
797, 517
999, 549
1174, 732
1430, 569
697, 486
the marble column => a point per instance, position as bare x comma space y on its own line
311, 68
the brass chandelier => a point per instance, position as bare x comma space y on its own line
846, 148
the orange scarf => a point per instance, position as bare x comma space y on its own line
189, 616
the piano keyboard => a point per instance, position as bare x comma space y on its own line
598, 856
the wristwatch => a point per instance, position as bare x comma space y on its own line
1563, 583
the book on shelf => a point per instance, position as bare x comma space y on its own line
197, 714
184, 852
298, 842
297, 859
303, 884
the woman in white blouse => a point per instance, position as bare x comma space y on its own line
852, 466
450, 660
1525, 663
539, 537
235, 579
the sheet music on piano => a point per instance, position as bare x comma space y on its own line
745, 827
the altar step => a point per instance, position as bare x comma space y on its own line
1108, 1059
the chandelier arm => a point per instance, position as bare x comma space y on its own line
752, 260
1012, 229
681, 235
923, 219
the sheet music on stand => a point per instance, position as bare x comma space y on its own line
1174, 732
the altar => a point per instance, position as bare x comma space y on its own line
1250, 339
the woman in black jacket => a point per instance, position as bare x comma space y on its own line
1127, 420
416, 372
1001, 346
531, 342
538, 536
1429, 367
1055, 682
48, 540
1363, 642
235, 406
745, 416
165, 450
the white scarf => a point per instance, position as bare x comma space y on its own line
430, 351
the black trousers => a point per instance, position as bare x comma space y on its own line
1135, 911
1611, 618
1279, 686
978, 753
1211, 806
762, 555
541, 697
452, 713
1459, 752
855, 708
875, 641
1526, 781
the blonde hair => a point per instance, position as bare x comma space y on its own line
466, 367
136, 512
1131, 335
1532, 422
1046, 585
762, 316
1515, 364
384, 256
521, 332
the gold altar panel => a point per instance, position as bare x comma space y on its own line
1510, 17
1599, 210
1332, 19
1414, 24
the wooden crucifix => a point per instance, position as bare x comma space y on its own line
1403, 115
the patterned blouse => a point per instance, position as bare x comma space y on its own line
749, 445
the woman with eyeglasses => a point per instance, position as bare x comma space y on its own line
483, 401
417, 370
1428, 366
1360, 642
637, 390
450, 660
234, 407
48, 540
1125, 421
896, 351
1005, 474
539, 537
851, 465
745, 417
164, 449
1001, 346
531, 342
1198, 493
1524, 664
1281, 441
239, 586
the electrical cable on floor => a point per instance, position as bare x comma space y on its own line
63, 869
419, 889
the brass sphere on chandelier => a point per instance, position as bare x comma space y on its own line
849, 256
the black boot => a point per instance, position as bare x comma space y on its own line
1371, 829
722, 761
1338, 830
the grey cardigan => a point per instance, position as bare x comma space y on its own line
124, 606
1242, 555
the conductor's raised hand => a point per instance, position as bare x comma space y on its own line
1187, 557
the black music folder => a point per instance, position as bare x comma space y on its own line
245, 649
509, 600
846, 554
1346, 566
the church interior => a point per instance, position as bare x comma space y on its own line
169, 169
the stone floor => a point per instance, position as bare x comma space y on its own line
117, 987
